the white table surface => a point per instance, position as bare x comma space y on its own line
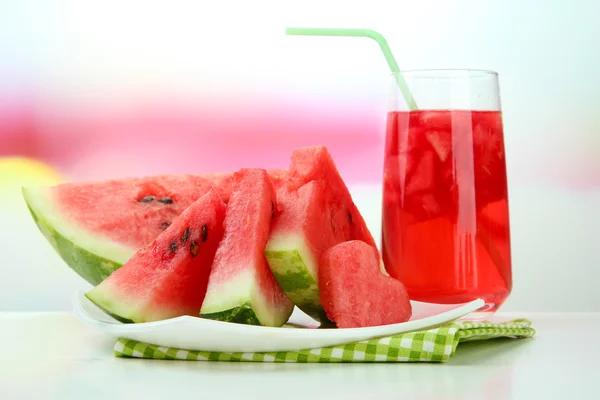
55, 356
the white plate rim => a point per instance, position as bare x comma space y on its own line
122, 329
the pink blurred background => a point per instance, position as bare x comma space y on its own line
126, 87
170, 135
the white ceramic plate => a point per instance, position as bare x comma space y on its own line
193, 333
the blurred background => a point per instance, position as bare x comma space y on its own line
95, 90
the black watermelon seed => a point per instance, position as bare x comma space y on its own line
147, 199
173, 247
186, 234
194, 248
350, 216
204, 234
272, 210
166, 200
165, 225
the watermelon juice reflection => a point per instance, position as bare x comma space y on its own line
445, 206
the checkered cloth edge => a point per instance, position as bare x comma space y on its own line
434, 345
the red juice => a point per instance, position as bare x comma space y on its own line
445, 206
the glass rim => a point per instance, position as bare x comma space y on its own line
447, 73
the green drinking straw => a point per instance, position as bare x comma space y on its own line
378, 37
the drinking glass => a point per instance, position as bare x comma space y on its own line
445, 228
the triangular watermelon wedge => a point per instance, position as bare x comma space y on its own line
317, 212
168, 278
242, 288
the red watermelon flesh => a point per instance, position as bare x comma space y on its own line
169, 277
316, 164
317, 212
97, 226
134, 211
241, 287
354, 292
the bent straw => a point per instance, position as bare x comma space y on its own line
387, 52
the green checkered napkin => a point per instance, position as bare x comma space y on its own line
434, 345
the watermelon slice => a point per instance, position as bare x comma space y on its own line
317, 212
97, 226
355, 293
241, 286
169, 277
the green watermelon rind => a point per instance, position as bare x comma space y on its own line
241, 292
295, 271
243, 314
107, 310
117, 306
123, 306
89, 256
90, 267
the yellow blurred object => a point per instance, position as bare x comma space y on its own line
16, 172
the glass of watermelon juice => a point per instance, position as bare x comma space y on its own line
445, 228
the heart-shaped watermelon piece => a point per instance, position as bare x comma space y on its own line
354, 291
